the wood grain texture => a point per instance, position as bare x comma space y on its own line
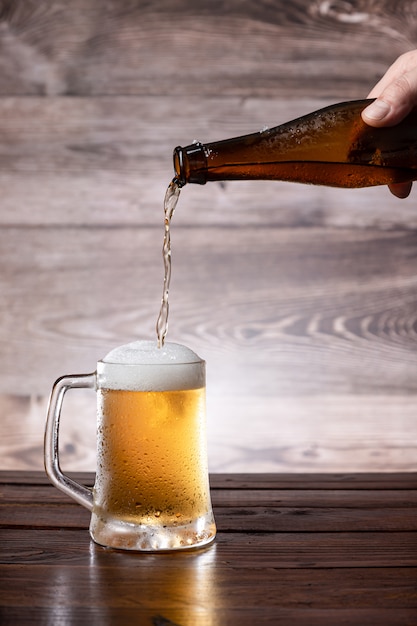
243, 616
274, 574
309, 433
37, 481
281, 311
309, 339
107, 162
272, 510
301, 299
290, 549
176, 47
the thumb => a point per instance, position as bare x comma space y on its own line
394, 102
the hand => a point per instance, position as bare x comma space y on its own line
396, 96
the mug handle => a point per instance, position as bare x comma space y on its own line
83, 495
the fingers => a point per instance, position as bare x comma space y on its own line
395, 93
401, 190
394, 103
395, 96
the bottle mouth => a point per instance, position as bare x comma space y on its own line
179, 167
190, 164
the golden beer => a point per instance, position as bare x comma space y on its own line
151, 490
153, 465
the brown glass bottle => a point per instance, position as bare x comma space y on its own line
332, 147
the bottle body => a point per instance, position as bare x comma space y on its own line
332, 146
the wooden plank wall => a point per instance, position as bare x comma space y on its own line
302, 300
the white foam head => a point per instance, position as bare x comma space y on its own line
142, 366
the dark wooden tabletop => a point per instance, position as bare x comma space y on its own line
291, 549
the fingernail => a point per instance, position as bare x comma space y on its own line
377, 110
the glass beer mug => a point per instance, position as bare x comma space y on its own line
151, 490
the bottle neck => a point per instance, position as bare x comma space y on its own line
190, 164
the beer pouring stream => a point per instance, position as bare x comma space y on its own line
170, 202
